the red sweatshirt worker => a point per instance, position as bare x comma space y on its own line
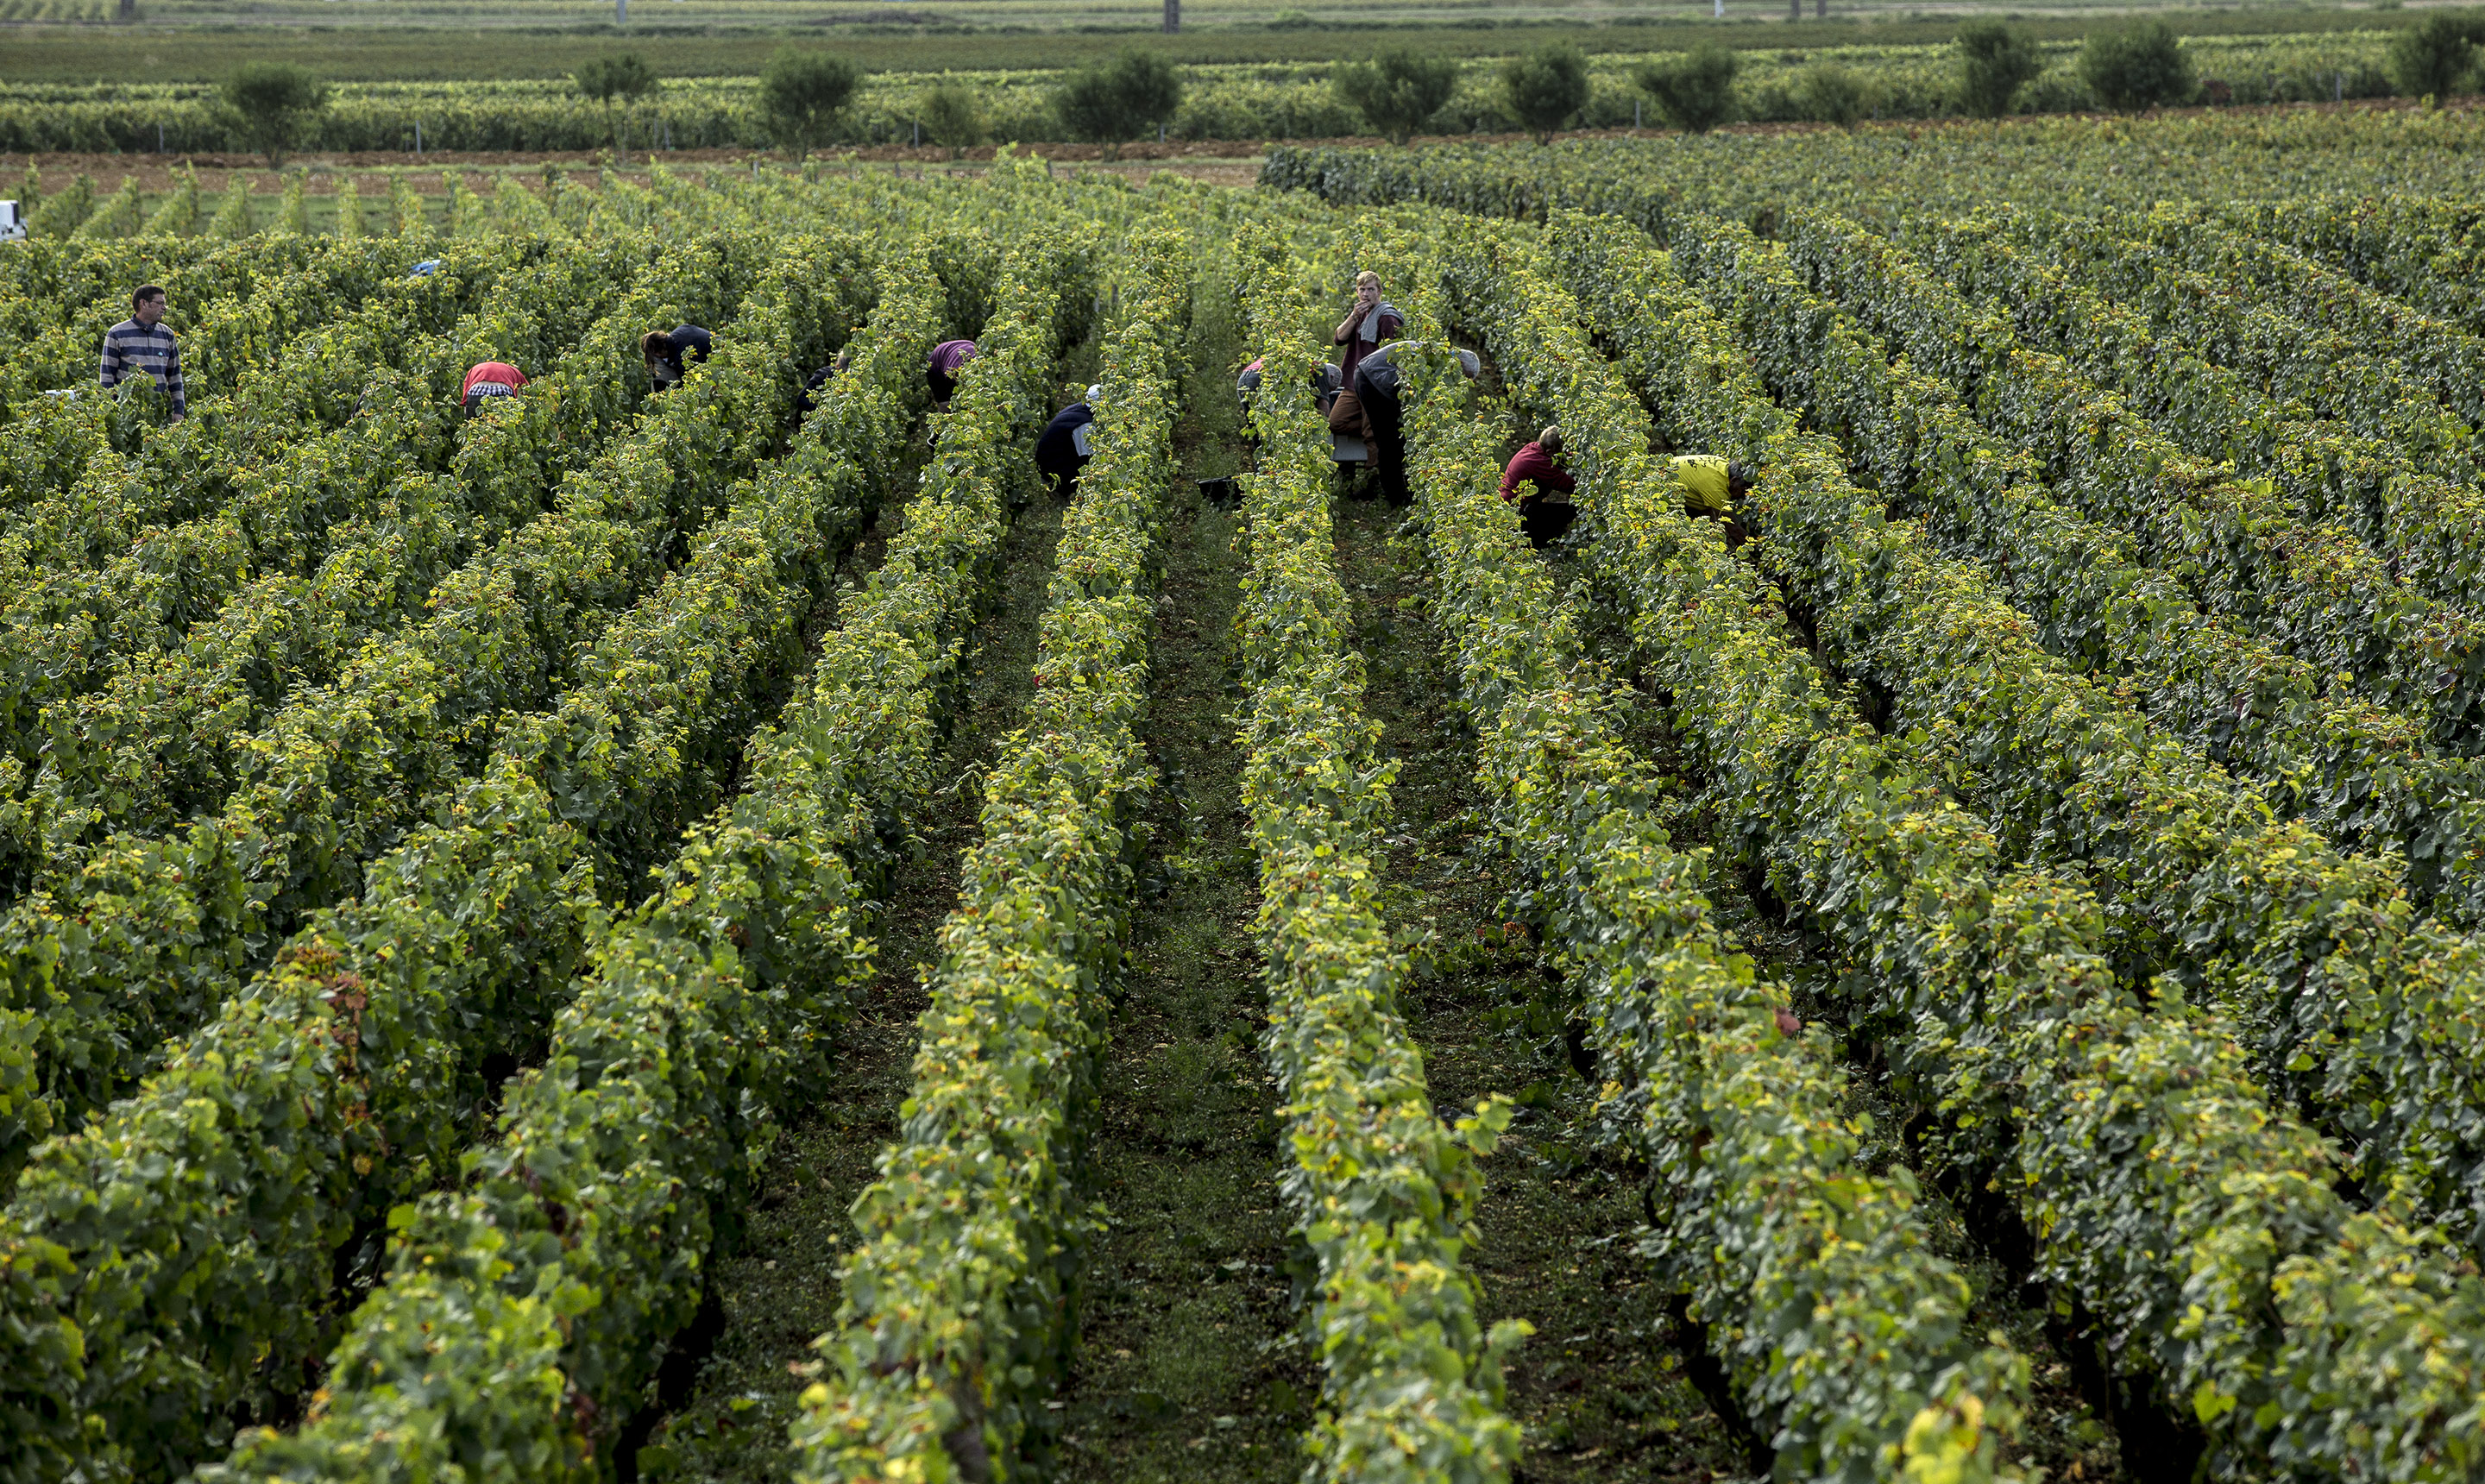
1538, 467
489, 380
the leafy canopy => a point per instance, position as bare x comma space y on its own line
2435, 57
626, 76
2137, 67
951, 115
1832, 93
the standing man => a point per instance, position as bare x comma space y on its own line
140, 344
1366, 327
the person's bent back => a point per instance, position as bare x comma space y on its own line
489, 382
669, 355
940, 373
1064, 447
1533, 480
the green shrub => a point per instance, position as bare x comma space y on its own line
2436, 57
1398, 91
272, 101
1832, 93
626, 77
1545, 89
802, 92
951, 115
2140, 66
1994, 61
1694, 92
1118, 100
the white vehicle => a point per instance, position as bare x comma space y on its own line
12, 223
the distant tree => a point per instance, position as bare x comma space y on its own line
270, 103
802, 92
2433, 57
951, 115
1994, 62
1119, 100
1546, 87
2137, 67
623, 79
1399, 91
1831, 93
1694, 92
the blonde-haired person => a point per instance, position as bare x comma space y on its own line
1371, 324
1533, 480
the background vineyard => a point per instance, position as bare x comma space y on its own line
673, 936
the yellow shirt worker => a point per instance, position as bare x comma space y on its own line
1710, 485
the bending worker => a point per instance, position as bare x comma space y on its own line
1065, 447
491, 380
1533, 477
820, 378
1374, 394
1366, 328
141, 346
670, 355
1712, 486
947, 358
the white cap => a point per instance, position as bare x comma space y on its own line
1096, 391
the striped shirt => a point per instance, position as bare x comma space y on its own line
131, 349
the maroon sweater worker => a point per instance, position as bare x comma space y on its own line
1366, 328
1538, 465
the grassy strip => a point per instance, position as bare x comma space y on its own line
960, 1299
779, 1291
2195, 1227
1843, 1331
650, 1118
1619, 1376
194, 1257
1384, 1193
1193, 1364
